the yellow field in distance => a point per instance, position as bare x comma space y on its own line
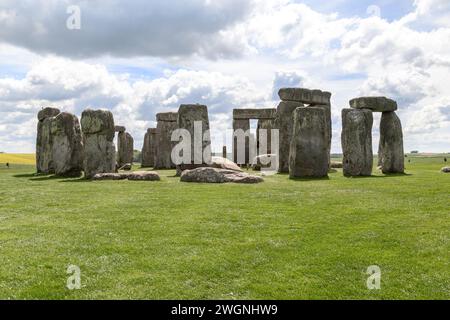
18, 158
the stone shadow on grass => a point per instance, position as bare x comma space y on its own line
310, 179
391, 175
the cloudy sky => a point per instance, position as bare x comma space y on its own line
141, 57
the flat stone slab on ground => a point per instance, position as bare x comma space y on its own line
143, 176
224, 163
377, 104
109, 176
445, 169
214, 175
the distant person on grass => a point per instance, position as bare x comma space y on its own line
445, 159
7, 165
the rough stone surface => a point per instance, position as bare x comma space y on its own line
224, 163
148, 148
306, 96
167, 116
48, 113
390, 151
188, 114
126, 167
245, 114
44, 141
144, 176
376, 104
109, 176
285, 122
356, 139
98, 134
67, 148
445, 169
263, 161
243, 124
164, 144
327, 109
119, 129
125, 148
308, 156
268, 125
336, 165
214, 175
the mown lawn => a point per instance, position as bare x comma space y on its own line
281, 239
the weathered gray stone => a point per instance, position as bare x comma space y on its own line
224, 163
263, 161
67, 149
110, 176
47, 113
244, 125
119, 129
243, 114
167, 116
376, 104
164, 145
445, 169
44, 141
98, 122
143, 176
224, 152
336, 165
327, 108
98, 134
285, 123
356, 142
391, 154
188, 114
306, 96
214, 175
126, 167
149, 148
125, 148
308, 156
267, 125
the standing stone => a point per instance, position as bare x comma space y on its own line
98, 141
166, 124
285, 123
308, 156
268, 125
188, 115
391, 154
244, 125
44, 140
224, 152
125, 149
67, 149
149, 148
356, 142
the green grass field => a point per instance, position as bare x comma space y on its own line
282, 239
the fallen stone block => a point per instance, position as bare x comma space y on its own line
214, 175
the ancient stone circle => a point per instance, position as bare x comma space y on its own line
66, 146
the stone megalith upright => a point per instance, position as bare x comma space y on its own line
98, 142
125, 144
390, 152
149, 148
194, 119
67, 149
356, 139
44, 140
308, 156
310, 98
166, 124
244, 125
284, 121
